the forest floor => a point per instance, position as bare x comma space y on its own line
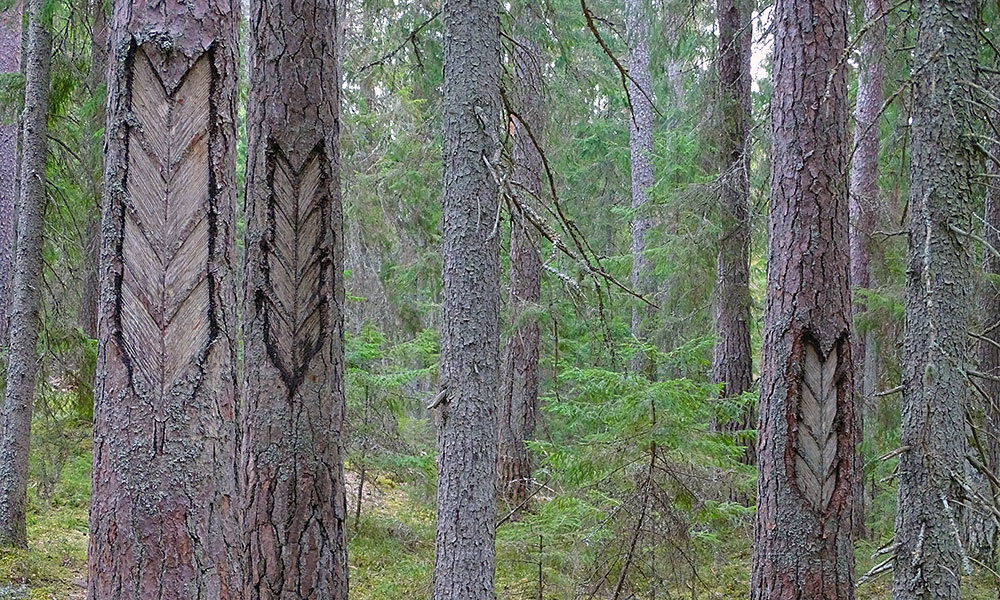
391, 549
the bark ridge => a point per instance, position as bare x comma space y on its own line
296, 251
165, 289
816, 451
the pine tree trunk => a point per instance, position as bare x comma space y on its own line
22, 362
90, 295
803, 534
467, 435
10, 58
981, 527
519, 397
294, 497
640, 91
929, 558
864, 207
732, 360
163, 515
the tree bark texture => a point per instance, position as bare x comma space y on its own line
803, 533
22, 360
519, 396
467, 435
640, 91
163, 516
732, 359
865, 206
294, 500
10, 59
929, 558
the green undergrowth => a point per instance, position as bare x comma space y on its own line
392, 548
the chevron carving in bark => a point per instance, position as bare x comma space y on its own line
816, 448
297, 254
165, 290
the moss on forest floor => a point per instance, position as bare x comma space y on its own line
392, 549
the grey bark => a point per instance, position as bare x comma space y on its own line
22, 363
732, 359
519, 396
641, 150
865, 206
806, 453
10, 58
929, 559
467, 436
163, 515
294, 499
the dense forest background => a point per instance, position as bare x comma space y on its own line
640, 484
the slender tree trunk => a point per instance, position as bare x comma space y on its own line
640, 90
163, 515
22, 363
929, 557
467, 443
732, 359
981, 527
865, 206
294, 497
10, 58
519, 397
804, 546
90, 295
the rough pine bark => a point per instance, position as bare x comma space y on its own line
519, 396
865, 205
22, 361
10, 58
803, 531
163, 516
732, 360
640, 91
467, 435
929, 558
294, 500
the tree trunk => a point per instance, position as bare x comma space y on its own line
929, 558
467, 443
90, 295
864, 208
10, 58
22, 362
640, 91
732, 360
163, 516
981, 527
294, 499
519, 397
804, 546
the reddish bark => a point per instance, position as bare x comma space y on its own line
803, 534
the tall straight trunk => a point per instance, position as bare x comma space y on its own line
22, 361
981, 527
163, 515
294, 499
90, 294
806, 454
865, 206
519, 396
640, 91
929, 557
470, 339
732, 359
10, 58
